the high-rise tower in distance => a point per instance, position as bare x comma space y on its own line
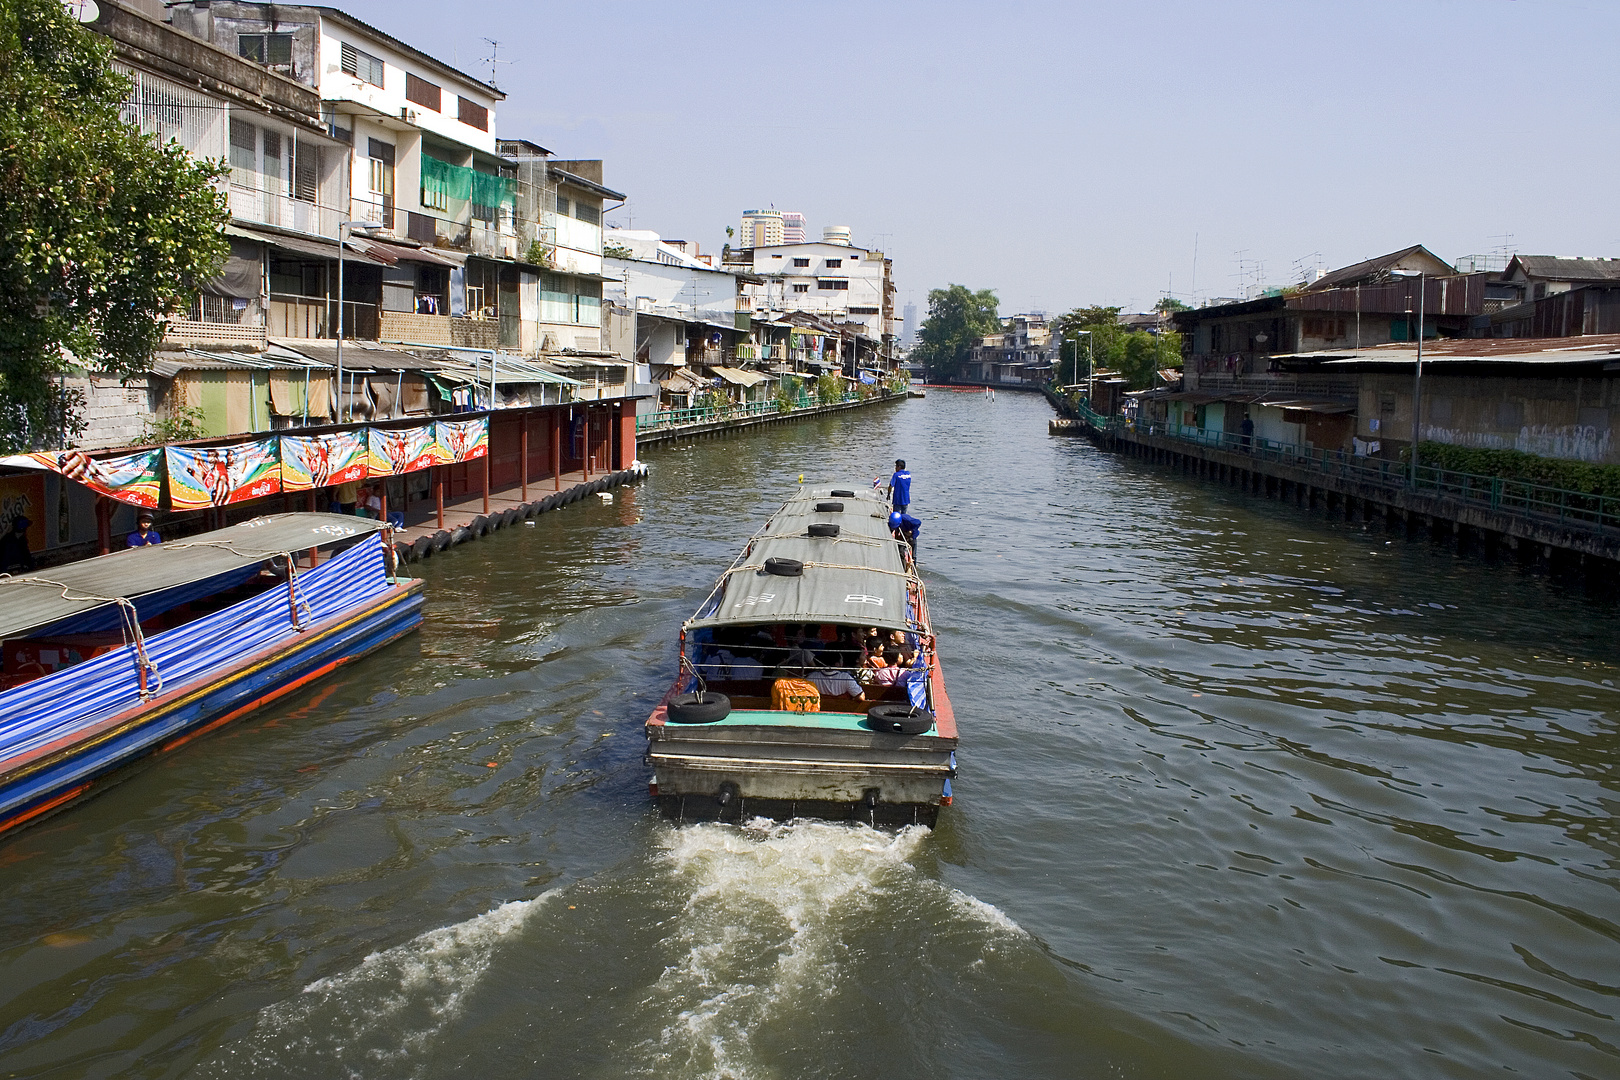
792, 227
760, 228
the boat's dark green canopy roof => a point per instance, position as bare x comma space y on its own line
39, 598
856, 578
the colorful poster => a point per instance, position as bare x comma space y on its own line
219, 475
317, 461
461, 440
395, 451
130, 478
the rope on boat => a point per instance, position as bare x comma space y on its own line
145, 669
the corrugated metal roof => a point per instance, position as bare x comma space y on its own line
1557, 268
739, 377
855, 579
36, 600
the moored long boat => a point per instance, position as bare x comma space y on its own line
809, 681
135, 653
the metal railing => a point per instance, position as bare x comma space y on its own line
667, 418
1493, 492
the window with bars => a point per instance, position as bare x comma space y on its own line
584, 211
422, 92
362, 65
562, 206
801, 262
832, 284
472, 114
244, 153
801, 287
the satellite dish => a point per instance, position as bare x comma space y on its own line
85, 11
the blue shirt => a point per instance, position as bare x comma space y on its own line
908, 525
137, 540
900, 487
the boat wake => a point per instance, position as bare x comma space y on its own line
783, 921
379, 1015
727, 953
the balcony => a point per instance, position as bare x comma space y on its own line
283, 211
460, 331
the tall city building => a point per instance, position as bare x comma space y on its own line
792, 227
908, 327
760, 228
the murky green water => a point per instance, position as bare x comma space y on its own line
1243, 793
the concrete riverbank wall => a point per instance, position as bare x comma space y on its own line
1555, 543
469, 520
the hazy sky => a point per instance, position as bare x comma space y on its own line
1071, 154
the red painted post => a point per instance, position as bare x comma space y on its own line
523, 443
104, 523
627, 434
314, 553
438, 491
487, 454
585, 445
556, 450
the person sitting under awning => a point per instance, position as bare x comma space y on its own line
833, 682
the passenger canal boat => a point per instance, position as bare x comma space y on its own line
761, 720
135, 653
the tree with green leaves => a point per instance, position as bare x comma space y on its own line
106, 231
958, 318
1135, 354
1170, 304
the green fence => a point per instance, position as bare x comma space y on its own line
1494, 492
669, 418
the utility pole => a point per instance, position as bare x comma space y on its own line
1417, 382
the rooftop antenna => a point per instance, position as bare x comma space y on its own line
491, 59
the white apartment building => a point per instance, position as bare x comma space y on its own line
833, 279
686, 311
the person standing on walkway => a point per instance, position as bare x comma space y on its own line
900, 487
1247, 427
144, 535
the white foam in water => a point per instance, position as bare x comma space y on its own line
343, 1023
765, 926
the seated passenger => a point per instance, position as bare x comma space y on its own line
833, 682
745, 665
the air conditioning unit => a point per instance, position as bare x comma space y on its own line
407, 115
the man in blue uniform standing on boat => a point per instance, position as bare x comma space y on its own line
900, 487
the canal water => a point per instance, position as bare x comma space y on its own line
1244, 792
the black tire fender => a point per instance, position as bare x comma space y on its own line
700, 708
784, 567
829, 508
823, 528
899, 719
840, 493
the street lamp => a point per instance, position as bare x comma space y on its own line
363, 226
1074, 372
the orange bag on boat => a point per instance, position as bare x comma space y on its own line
795, 695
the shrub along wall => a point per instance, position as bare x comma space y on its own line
1516, 465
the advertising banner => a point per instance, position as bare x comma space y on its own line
396, 451
24, 497
462, 440
317, 461
220, 475
129, 478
